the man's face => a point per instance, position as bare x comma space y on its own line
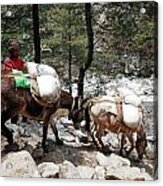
15, 52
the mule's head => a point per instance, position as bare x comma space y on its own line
78, 111
76, 116
66, 100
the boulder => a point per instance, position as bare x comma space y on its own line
48, 170
68, 170
100, 173
151, 151
86, 172
126, 173
111, 161
111, 141
19, 164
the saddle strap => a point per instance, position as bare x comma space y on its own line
119, 100
41, 102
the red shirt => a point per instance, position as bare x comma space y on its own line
13, 63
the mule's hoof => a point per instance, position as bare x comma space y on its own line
121, 153
100, 149
10, 140
45, 149
12, 147
106, 151
140, 157
59, 142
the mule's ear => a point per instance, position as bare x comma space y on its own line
80, 102
73, 114
84, 103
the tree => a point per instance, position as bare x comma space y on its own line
36, 36
90, 36
16, 23
69, 51
119, 28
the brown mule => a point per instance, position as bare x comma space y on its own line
15, 101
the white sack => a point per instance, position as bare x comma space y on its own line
129, 96
133, 100
49, 87
104, 104
40, 69
132, 116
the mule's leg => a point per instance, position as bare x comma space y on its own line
7, 133
45, 130
4, 130
15, 119
132, 141
102, 146
141, 144
122, 144
47, 119
52, 122
96, 138
55, 131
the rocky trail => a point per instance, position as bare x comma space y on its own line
76, 158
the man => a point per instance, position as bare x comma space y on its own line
12, 60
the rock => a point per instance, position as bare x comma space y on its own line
86, 172
151, 151
119, 76
48, 170
100, 173
3, 143
133, 155
81, 137
19, 164
65, 121
68, 170
112, 141
80, 134
151, 168
126, 173
13, 127
83, 123
67, 137
112, 161
38, 153
34, 140
29, 148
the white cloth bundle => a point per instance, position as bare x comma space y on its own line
104, 104
132, 115
130, 97
40, 69
49, 88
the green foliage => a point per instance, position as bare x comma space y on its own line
119, 28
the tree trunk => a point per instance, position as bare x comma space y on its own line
69, 51
90, 36
36, 37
